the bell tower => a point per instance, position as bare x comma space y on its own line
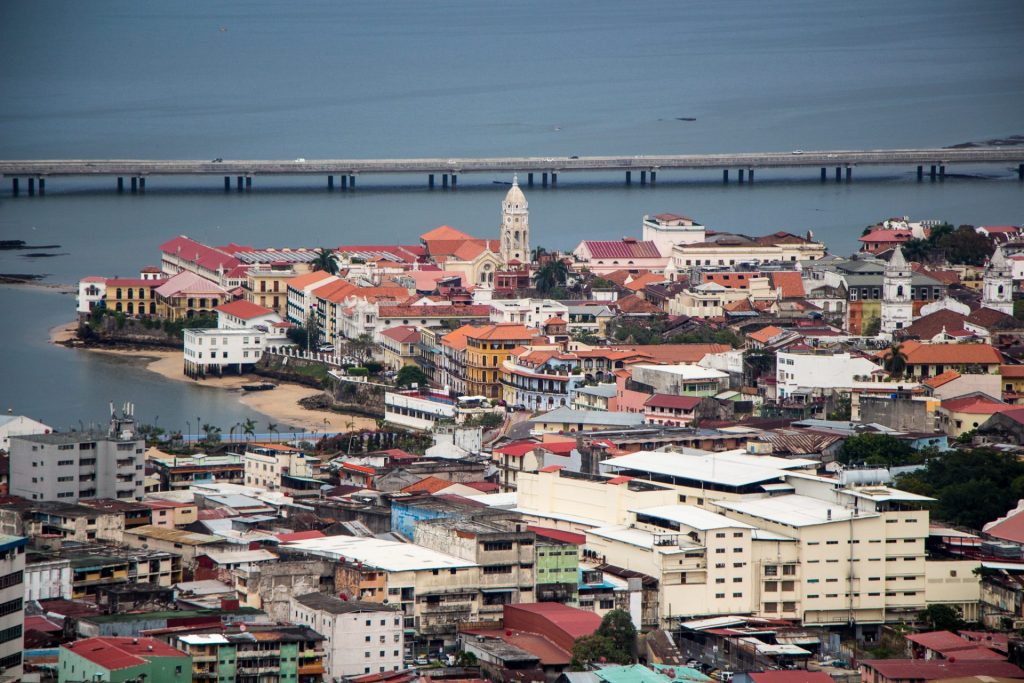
515, 225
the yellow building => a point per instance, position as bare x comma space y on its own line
399, 345
132, 296
487, 348
187, 295
268, 286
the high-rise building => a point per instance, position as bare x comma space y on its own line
12, 605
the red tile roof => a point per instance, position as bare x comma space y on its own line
482, 486
403, 334
200, 254
883, 235
941, 641
793, 676
674, 402
627, 248
558, 535
558, 447
633, 305
444, 232
121, 653
517, 449
552, 468
938, 669
566, 621
944, 378
975, 405
299, 536
245, 310
789, 282
948, 354
765, 334
428, 485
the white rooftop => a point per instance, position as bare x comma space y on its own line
684, 371
728, 471
496, 500
884, 493
793, 510
387, 555
204, 639
691, 516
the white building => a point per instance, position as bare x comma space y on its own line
897, 304
667, 230
361, 637
416, 410
19, 425
266, 464
12, 606
244, 315
49, 579
209, 351
822, 371
300, 294
91, 291
529, 312
998, 286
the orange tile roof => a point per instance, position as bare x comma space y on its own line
428, 485
634, 305
790, 282
333, 291
444, 232
402, 334
642, 280
1012, 371
674, 353
502, 332
944, 378
456, 339
975, 405
952, 354
301, 281
246, 310
765, 334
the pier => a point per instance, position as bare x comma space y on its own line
243, 172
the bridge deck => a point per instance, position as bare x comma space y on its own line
143, 167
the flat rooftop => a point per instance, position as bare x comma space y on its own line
692, 517
709, 468
387, 555
794, 510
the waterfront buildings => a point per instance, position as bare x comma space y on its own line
19, 425
216, 351
666, 230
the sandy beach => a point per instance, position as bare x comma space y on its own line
281, 403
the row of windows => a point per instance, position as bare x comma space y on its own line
722, 595
9, 634
10, 607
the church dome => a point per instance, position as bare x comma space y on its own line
515, 199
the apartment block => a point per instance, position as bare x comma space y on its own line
12, 605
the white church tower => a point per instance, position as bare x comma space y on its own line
997, 291
515, 225
897, 304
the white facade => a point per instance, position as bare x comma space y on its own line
227, 321
362, 637
796, 371
515, 225
264, 466
668, 230
91, 291
19, 425
998, 286
46, 580
415, 411
529, 312
12, 614
301, 299
897, 304
208, 350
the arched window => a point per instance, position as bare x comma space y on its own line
118, 293
899, 292
1000, 290
130, 292
131, 308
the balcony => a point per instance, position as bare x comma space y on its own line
446, 608
309, 669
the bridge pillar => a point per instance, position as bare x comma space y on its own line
629, 177
839, 173
942, 172
824, 174
750, 174
238, 183
741, 174
654, 177
544, 179
725, 176
554, 179
330, 183
227, 183
1020, 171
31, 187
932, 175
135, 184
920, 173
248, 183
849, 173
351, 182
344, 181
142, 184
444, 180
529, 179
42, 186
14, 186
643, 177
430, 181
120, 184
455, 180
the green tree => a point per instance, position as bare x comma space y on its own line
325, 261
211, 433
538, 253
941, 618
872, 327
272, 429
614, 641
409, 375
361, 348
249, 428
875, 449
552, 274
895, 361
312, 331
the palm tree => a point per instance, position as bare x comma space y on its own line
895, 362
212, 433
537, 253
272, 429
249, 428
552, 274
325, 261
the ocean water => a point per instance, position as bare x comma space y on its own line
460, 78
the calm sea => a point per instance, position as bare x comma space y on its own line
404, 78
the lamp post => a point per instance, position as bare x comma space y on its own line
188, 430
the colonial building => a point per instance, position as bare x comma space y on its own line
997, 291
897, 304
515, 226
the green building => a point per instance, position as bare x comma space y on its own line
122, 660
557, 562
241, 652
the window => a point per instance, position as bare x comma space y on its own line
737, 595
607, 604
771, 586
719, 595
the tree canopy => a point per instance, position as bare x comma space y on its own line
876, 449
941, 618
962, 245
972, 487
614, 641
409, 375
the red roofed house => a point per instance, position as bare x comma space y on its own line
530, 456
123, 659
947, 645
928, 360
242, 314
399, 345
791, 676
671, 411
920, 671
187, 295
629, 253
560, 624
185, 254
966, 413
880, 240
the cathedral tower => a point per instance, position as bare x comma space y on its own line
515, 225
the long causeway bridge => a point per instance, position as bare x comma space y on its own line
932, 162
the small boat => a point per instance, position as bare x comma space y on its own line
263, 386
